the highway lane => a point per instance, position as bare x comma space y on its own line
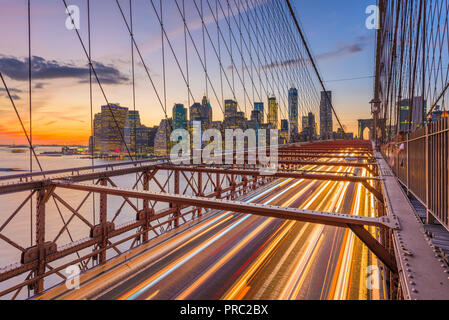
237, 256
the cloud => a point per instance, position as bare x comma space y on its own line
71, 119
11, 91
284, 64
43, 69
342, 49
39, 85
345, 49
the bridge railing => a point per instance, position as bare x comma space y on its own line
422, 167
65, 233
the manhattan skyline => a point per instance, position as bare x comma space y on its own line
338, 41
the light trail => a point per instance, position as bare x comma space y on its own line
133, 294
240, 256
236, 291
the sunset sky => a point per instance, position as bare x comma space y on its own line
336, 32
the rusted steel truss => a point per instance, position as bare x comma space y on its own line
179, 193
151, 219
355, 223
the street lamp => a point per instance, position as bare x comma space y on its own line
375, 108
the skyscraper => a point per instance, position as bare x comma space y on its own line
258, 106
418, 113
240, 121
134, 124
326, 123
114, 120
284, 137
230, 108
273, 112
206, 112
257, 116
230, 120
293, 111
309, 126
162, 138
107, 138
144, 139
312, 125
179, 117
95, 141
195, 112
305, 123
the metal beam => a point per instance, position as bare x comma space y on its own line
380, 251
282, 174
17, 187
257, 172
327, 163
355, 223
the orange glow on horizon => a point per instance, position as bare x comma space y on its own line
62, 136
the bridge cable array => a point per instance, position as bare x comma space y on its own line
412, 63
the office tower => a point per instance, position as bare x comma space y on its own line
284, 125
95, 139
206, 112
257, 116
258, 106
418, 113
283, 135
309, 126
273, 112
133, 124
312, 125
152, 136
305, 123
195, 112
179, 117
293, 111
218, 125
162, 143
240, 121
143, 139
230, 108
230, 120
114, 121
326, 124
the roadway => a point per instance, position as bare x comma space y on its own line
239, 256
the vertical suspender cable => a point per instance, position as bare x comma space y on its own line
312, 60
204, 50
133, 75
30, 112
134, 137
91, 104
187, 53
219, 55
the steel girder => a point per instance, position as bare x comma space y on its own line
355, 223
